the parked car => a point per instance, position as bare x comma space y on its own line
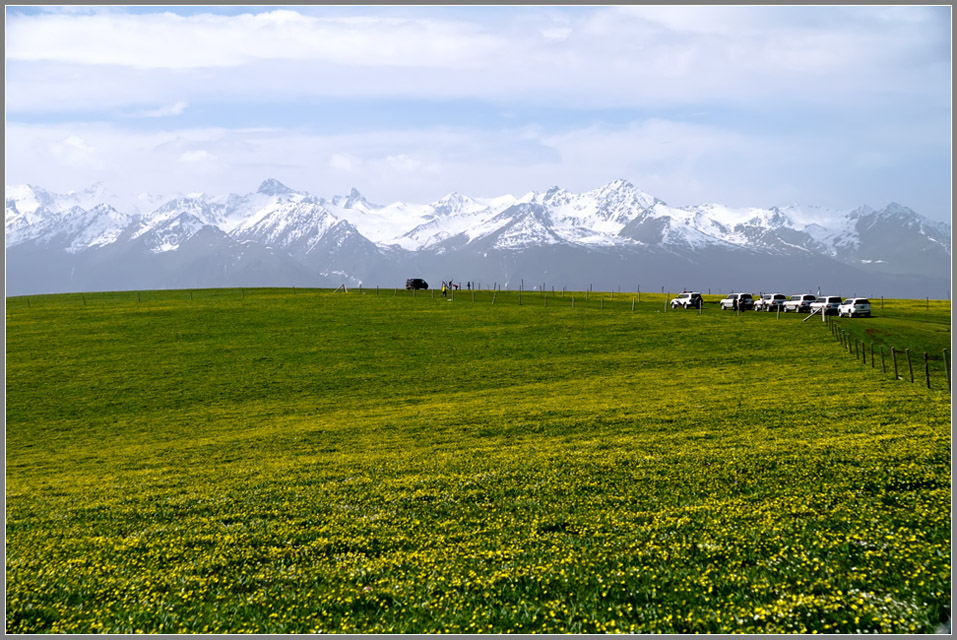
770, 302
855, 307
687, 300
800, 303
416, 283
735, 300
829, 304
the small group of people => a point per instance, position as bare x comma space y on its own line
451, 285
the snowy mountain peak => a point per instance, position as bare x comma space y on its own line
354, 200
272, 187
456, 204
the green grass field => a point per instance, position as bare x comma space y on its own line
277, 461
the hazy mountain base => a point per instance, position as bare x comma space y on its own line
212, 259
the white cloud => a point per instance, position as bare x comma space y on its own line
344, 162
607, 56
173, 109
73, 151
169, 41
197, 156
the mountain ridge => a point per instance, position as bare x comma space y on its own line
347, 238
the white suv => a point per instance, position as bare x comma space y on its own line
855, 307
736, 300
770, 301
687, 300
829, 304
800, 303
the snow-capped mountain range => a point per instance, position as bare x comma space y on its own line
613, 236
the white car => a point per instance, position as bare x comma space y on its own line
800, 303
687, 300
770, 302
829, 303
855, 307
735, 300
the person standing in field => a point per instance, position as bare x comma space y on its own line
443, 288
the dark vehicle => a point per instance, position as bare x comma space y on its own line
416, 283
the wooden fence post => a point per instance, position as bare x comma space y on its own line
947, 368
894, 358
872, 355
909, 365
632, 304
927, 370
883, 368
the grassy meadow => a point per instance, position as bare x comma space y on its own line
279, 460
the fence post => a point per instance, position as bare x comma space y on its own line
632, 304
927, 370
909, 365
872, 355
894, 358
603, 302
947, 368
883, 367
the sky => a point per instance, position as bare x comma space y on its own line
747, 106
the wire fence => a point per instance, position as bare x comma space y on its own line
896, 361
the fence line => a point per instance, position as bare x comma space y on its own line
859, 350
